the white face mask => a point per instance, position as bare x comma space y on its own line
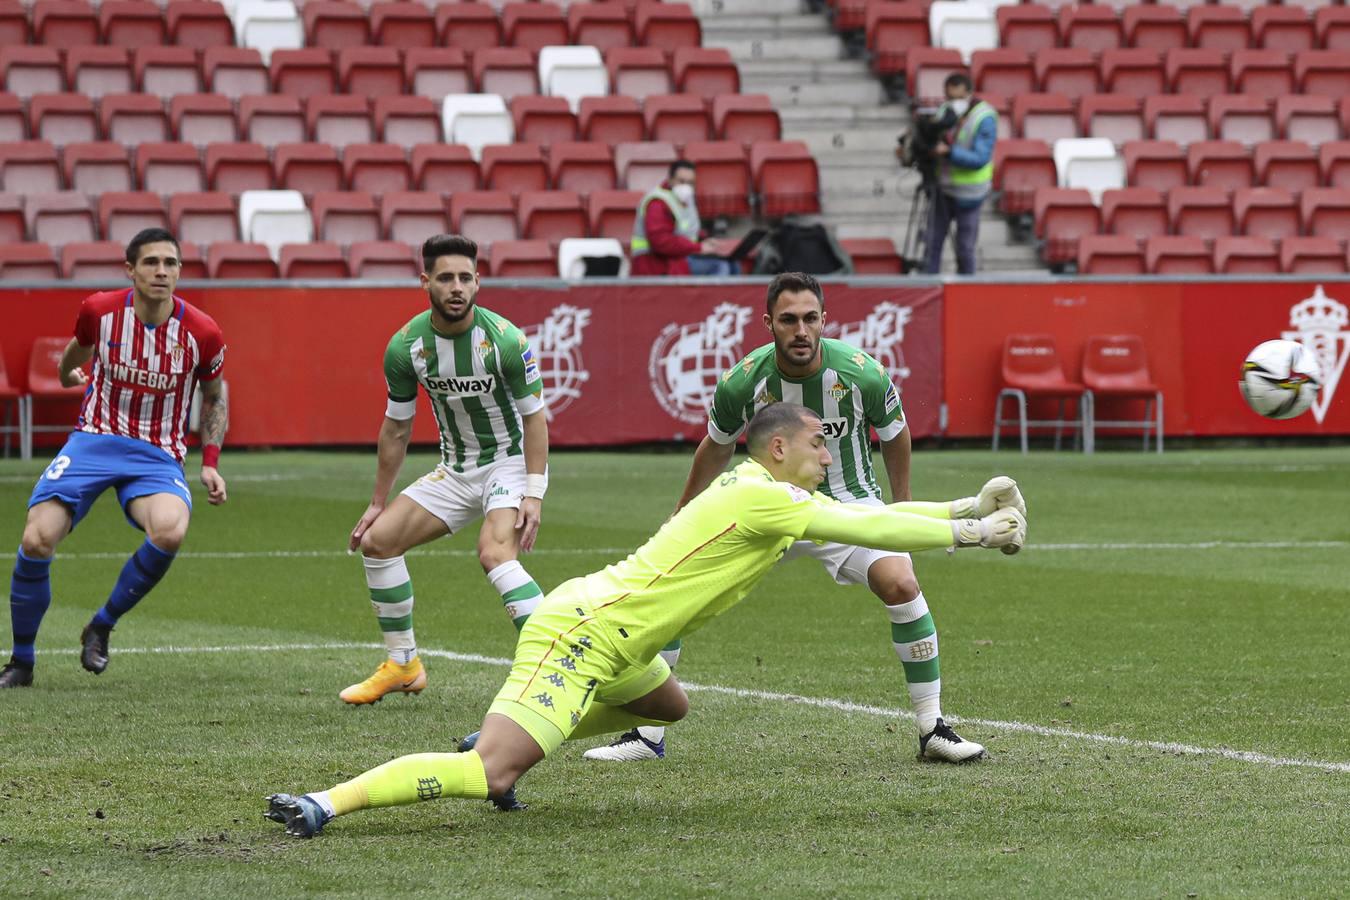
684, 193
960, 107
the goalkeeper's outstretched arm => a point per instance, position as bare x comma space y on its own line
927, 527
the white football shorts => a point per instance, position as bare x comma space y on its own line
460, 498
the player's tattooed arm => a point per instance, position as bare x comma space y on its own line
74, 356
214, 420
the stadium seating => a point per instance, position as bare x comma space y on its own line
318, 260
1134, 212
488, 215
522, 259
346, 218
273, 218
1063, 215
122, 214
1266, 212
233, 260
551, 216
60, 218
130, 119
1032, 371
27, 261
873, 256
581, 166
723, 183
383, 259
611, 213
95, 261
577, 255
376, 168
409, 216
96, 167
204, 218
1178, 255
1109, 254
444, 168
1116, 371
1312, 256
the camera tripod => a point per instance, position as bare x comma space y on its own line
914, 250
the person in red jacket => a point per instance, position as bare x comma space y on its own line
667, 232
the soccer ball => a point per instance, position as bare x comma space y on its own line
1280, 379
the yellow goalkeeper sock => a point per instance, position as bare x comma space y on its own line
408, 779
602, 719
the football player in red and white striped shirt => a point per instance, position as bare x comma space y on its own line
150, 350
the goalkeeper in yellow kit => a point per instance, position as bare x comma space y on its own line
588, 663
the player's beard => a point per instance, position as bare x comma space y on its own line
447, 313
790, 351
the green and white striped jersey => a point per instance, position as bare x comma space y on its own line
480, 384
850, 392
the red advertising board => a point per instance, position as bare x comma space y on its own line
621, 363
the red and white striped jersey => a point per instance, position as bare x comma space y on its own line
144, 375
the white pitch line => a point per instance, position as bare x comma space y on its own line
846, 706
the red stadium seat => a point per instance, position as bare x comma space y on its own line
61, 218
1291, 165
612, 119
31, 70
27, 262
271, 119
409, 217
551, 216
746, 118
1109, 254
642, 166
1020, 167
1311, 119
203, 119
318, 260
132, 118
62, 118
234, 71
926, 69
335, 24
1332, 26
723, 184
303, 73
438, 72
1068, 71
468, 26
543, 120
1223, 164
1030, 27
1002, 104
1284, 28
1266, 212
1246, 256
1094, 28
169, 168
506, 71
873, 256
1203, 73
1325, 212
1241, 117
1312, 256
29, 166
581, 166
93, 168
1325, 72
13, 120
376, 168
122, 215
1115, 369
1177, 118
237, 167
1008, 71
611, 214
1203, 212
402, 25
1135, 212
1222, 28
14, 31
523, 259
666, 25
383, 259
193, 262
1178, 255
600, 25
534, 25
204, 218
1044, 117
370, 71
406, 121
677, 118
706, 72
167, 71
228, 260
1118, 117
64, 23
514, 168
198, 24
131, 23
638, 72
1063, 215
893, 29
1154, 27
306, 167
444, 168
99, 71
96, 261
339, 120
345, 217
488, 215
1263, 73
1333, 158
785, 177
13, 227
1032, 370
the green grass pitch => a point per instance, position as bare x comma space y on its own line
1161, 676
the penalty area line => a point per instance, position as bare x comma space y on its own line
845, 706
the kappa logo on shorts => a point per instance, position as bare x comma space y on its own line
543, 699
555, 679
567, 663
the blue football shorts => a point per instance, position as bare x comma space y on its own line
89, 464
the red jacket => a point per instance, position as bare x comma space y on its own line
669, 251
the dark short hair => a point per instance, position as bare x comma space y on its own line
784, 419
793, 281
958, 79
151, 236
679, 164
447, 245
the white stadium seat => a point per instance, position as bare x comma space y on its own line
1090, 163
963, 26
275, 218
573, 253
267, 25
477, 120
572, 72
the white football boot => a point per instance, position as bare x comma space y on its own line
944, 745
630, 746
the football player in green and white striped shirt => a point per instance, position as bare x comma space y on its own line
852, 393
481, 377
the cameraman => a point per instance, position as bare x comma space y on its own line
965, 155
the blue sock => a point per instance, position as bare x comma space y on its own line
30, 593
139, 576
